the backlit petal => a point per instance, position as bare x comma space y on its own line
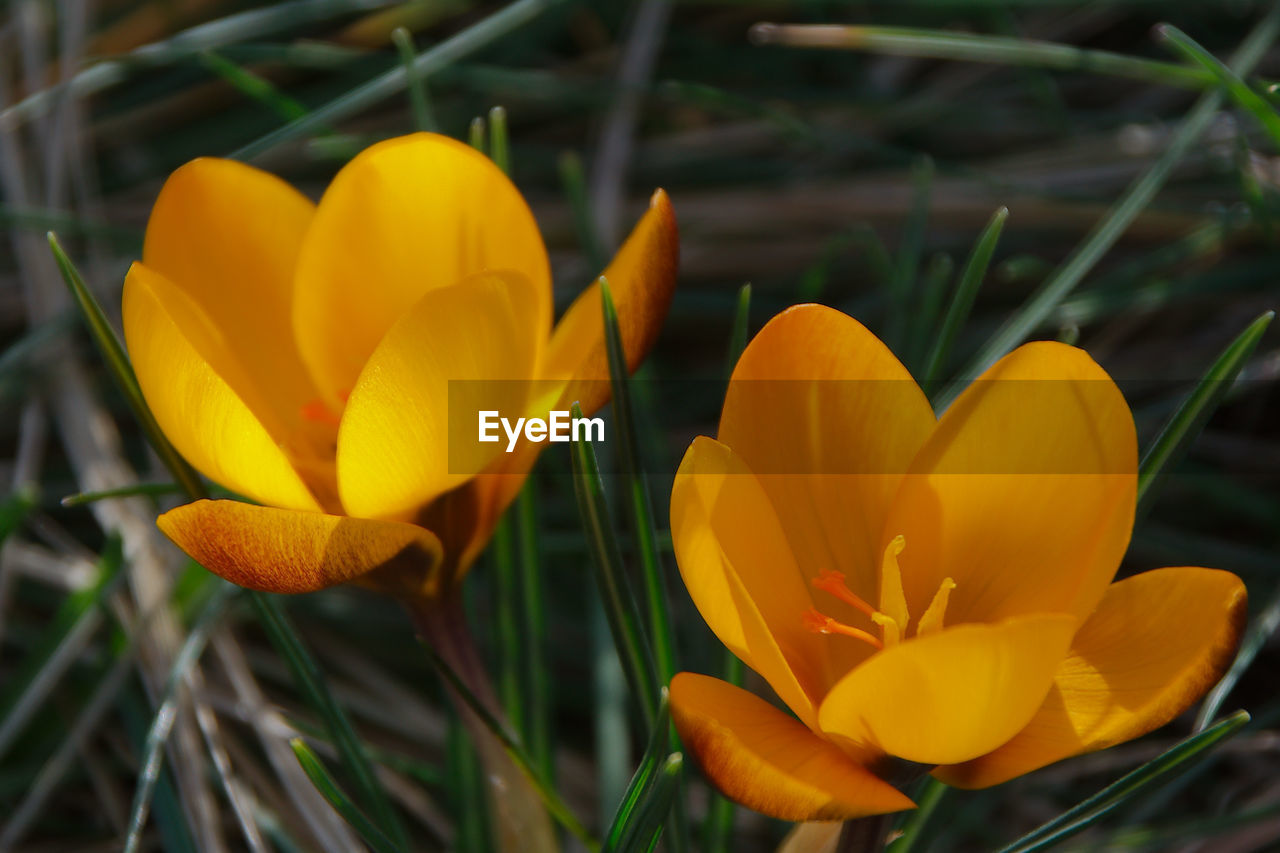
829, 420
951, 696
404, 217
759, 757
642, 277
279, 550
742, 576
410, 426
228, 236
1024, 494
169, 337
1155, 644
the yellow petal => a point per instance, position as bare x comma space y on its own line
642, 277
168, 337
759, 757
1155, 644
950, 696
279, 550
404, 217
409, 432
228, 236
829, 420
742, 576
1024, 494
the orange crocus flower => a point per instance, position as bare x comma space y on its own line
301, 355
924, 593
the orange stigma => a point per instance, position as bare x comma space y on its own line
821, 624
318, 412
833, 583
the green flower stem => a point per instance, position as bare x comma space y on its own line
519, 797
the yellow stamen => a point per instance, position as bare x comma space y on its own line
893, 600
833, 583
931, 621
889, 629
821, 624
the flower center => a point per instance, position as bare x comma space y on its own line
891, 617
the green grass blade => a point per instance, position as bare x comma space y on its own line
644, 830
118, 362
1185, 424
1158, 771
933, 285
476, 135
499, 139
651, 762
625, 620
342, 804
1138, 195
167, 712
1259, 633
975, 270
1245, 97
468, 798
967, 47
310, 680
423, 115
475, 37
253, 86
643, 532
536, 665
150, 490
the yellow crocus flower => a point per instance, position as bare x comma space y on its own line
302, 354
924, 593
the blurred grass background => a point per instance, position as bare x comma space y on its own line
853, 178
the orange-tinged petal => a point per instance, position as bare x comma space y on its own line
812, 837
409, 432
228, 236
1156, 643
759, 757
950, 696
405, 216
642, 277
1024, 494
829, 420
742, 577
168, 337
280, 550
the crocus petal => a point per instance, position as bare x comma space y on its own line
759, 757
642, 277
742, 576
228, 236
951, 696
812, 837
405, 216
169, 337
829, 421
280, 550
410, 426
1155, 644
1024, 494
